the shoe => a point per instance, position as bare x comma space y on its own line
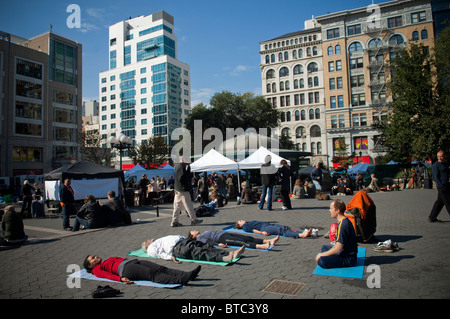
175, 224
105, 292
433, 220
195, 272
284, 208
386, 247
196, 222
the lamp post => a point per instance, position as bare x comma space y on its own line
120, 142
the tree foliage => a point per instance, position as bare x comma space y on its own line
419, 125
150, 154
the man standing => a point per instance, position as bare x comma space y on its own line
343, 253
182, 188
268, 172
143, 187
441, 175
67, 203
285, 176
316, 177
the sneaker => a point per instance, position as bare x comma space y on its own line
315, 232
176, 224
284, 207
386, 247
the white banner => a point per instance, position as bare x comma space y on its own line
97, 187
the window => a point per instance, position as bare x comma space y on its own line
339, 82
375, 43
424, 34
396, 39
331, 66
315, 131
354, 29
267, 59
354, 47
415, 36
356, 63
334, 121
272, 58
280, 56
333, 33
358, 99
312, 67
270, 74
360, 143
319, 148
332, 102
294, 54
311, 114
418, 17
300, 132
340, 101
330, 50
303, 115
286, 56
395, 22
337, 49
357, 80
341, 118
284, 71
268, 87
332, 83
298, 69
317, 111
338, 65
315, 50
297, 114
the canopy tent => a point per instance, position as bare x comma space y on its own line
308, 170
136, 168
257, 158
87, 178
393, 163
213, 161
360, 168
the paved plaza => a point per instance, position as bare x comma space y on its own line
39, 268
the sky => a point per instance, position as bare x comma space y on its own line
219, 40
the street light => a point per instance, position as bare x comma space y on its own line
120, 142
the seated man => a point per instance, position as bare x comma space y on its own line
175, 246
115, 211
267, 229
90, 215
343, 253
223, 238
127, 270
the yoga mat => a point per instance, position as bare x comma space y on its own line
235, 230
141, 253
85, 275
348, 272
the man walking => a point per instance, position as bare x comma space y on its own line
268, 172
441, 175
182, 188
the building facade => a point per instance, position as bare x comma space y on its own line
146, 91
40, 103
358, 46
292, 80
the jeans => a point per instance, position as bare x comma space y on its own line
80, 221
66, 210
317, 185
336, 261
265, 189
26, 206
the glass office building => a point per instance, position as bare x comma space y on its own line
146, 91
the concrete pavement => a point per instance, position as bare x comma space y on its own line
39, 268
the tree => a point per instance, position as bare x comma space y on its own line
150, 154
91, 150
229, 110
418, 125
342, 158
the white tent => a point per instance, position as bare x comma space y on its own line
213, 161
256, 159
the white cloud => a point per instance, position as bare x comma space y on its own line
202, 95
96, 13
239, 69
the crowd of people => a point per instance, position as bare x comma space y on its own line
203, 246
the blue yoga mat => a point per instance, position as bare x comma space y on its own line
85, 275
235, 230
348, 272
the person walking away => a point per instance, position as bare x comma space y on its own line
441, 175
27, 199
67, 203
182, 187
268, 172
285, 176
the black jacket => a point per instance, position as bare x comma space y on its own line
183, 177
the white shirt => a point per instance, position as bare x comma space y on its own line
163, 247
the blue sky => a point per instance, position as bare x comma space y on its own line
219, 40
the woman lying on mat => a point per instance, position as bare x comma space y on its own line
343, 253
223, 238
127, 270
175, 246
265, 228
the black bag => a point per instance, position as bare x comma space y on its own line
202, 211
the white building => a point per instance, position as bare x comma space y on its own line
146, 91
292, 80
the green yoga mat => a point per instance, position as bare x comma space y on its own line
141, 253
